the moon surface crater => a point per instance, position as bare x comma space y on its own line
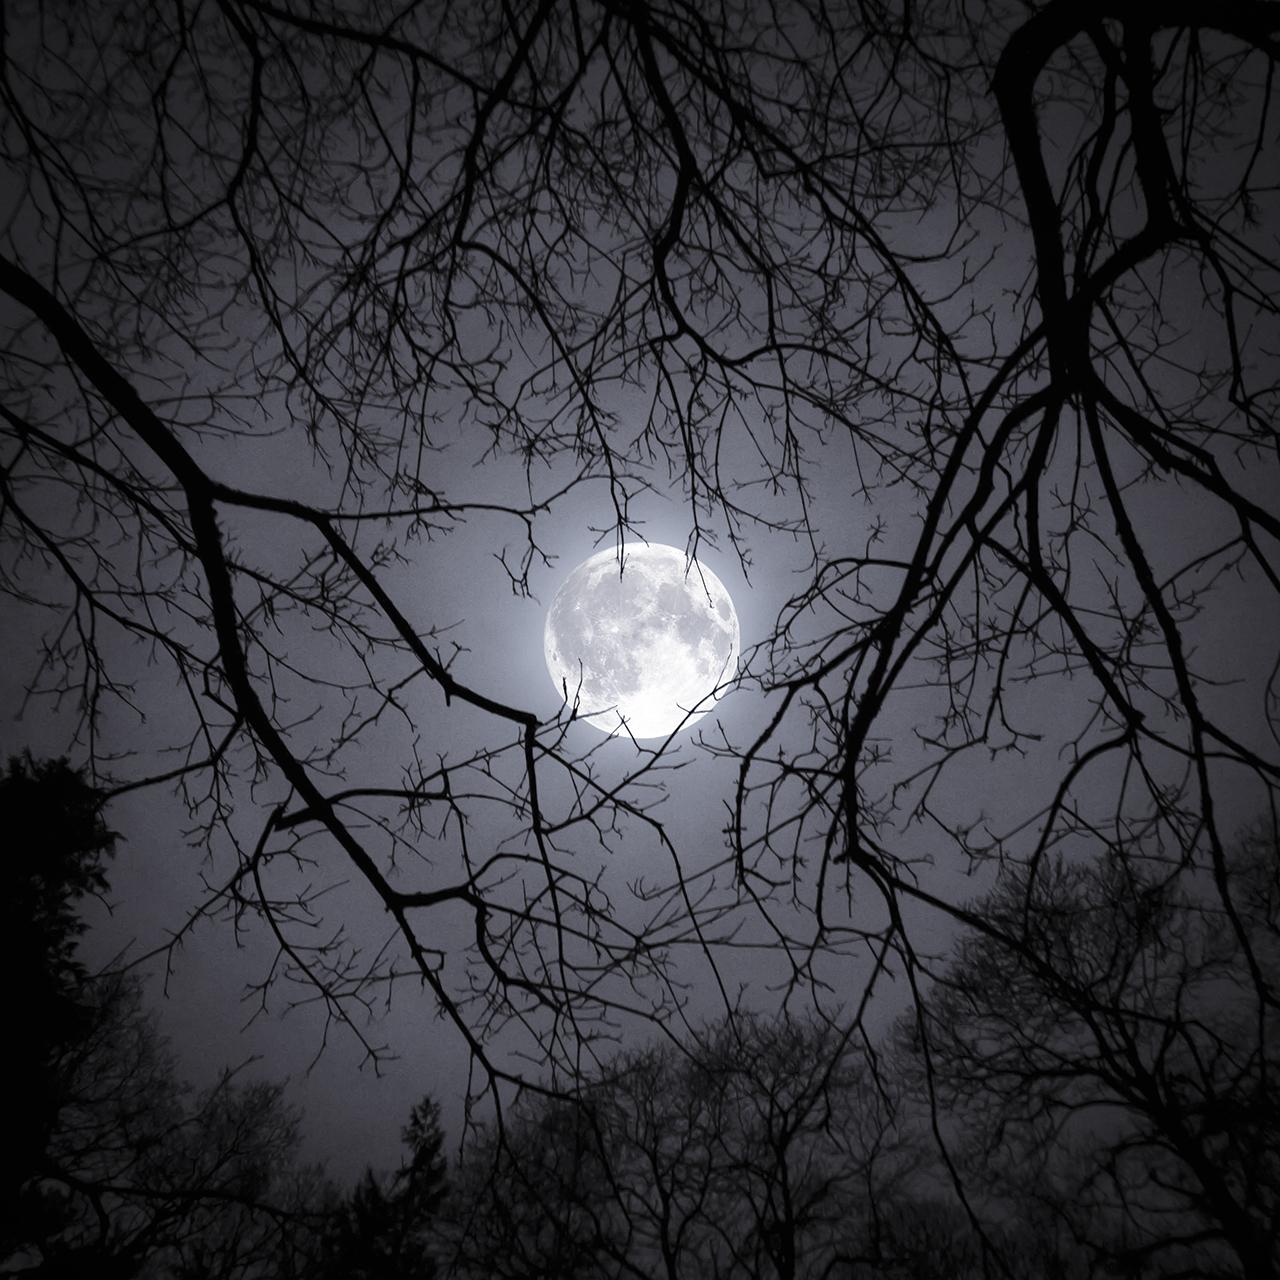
647, 646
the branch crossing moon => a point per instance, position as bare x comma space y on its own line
648, 646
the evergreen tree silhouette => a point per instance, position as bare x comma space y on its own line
385, 1230
56, 846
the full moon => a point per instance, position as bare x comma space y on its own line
646, 647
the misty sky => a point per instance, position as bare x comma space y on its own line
454, 587
353, 1114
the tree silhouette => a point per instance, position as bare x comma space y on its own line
763, 1148
56, 847
145, 1176
391, 1232
1001, 278
112, 1167
535, 1200
1114, 1068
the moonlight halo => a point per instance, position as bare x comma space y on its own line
647, 647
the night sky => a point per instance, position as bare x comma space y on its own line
546, 362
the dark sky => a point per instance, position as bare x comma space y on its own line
453, 587
355, 1114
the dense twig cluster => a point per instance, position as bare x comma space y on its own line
1012, 273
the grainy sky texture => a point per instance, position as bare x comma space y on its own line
335, 337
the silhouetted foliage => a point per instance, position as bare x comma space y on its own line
973, 304
1085, 1090
113, 1167
762, 1148
389, 1230
55, 847
1112, 1074
148, 1177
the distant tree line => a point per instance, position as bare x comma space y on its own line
111, 1166
1099, 1103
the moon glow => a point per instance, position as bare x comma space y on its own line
647, 647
